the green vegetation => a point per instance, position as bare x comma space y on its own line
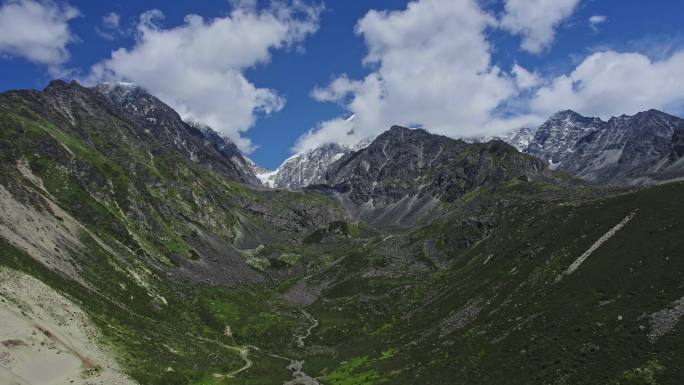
184, 270
352, 373
641, 376
187, 335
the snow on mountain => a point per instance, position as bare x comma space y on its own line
641, 149
265, 176
520, 139
645, 148
306, 168
198, 141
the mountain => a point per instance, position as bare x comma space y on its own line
113, 212
520, 139
225, 146
558, 136
308, 167
627, 150
405, 172
134, 249
161, 121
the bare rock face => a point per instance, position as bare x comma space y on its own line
406, 172
228, 149
520, 139
308, 168
559, 135
196, 141
645, 148
627, 150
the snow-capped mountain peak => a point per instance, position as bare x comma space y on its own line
635, 149
520, 139
308, 167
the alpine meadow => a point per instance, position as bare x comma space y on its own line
324, 192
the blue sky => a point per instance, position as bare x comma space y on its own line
456, 67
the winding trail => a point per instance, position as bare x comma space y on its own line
299, 377
244, 354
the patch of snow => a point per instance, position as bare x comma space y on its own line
267, 178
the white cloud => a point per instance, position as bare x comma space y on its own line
244, 4
111, 20
536, 20
198, 67
110, 28
612, 83
524, 78
432, 68
337, 90
596, 20
37, 31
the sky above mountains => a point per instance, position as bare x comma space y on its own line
281, 76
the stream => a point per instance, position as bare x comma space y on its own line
299, 377
295, 366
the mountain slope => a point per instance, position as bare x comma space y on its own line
406, 173
198, 142
228, 149
139, 231
487, 295
307, 168
446, 262
625, 150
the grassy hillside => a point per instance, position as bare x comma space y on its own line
153, 246
190, 277
500, 308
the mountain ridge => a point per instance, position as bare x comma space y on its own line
559, 141
405, 172
165, 124
420, 259
624, 150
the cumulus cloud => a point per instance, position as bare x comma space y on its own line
37, 31
612, 83
536, 20
430, 65
198, 67
432, 68
524, 78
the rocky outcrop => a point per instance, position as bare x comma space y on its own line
645, 148
197, 142
309, 167
406, 172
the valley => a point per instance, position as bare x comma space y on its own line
416, 259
